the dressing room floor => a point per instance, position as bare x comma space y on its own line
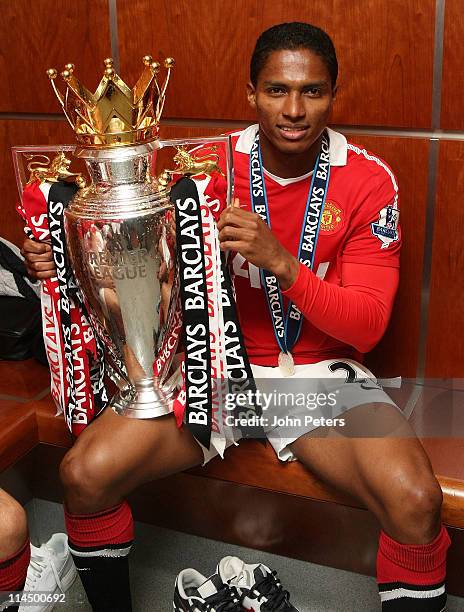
160, 554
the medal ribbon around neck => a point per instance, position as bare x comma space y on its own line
287, 328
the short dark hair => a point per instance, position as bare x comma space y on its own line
294, 35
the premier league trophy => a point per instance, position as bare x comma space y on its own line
120, 230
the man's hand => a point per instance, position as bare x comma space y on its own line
246, 233
39, 259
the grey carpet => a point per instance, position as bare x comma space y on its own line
160, 554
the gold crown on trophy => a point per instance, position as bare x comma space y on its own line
115, 114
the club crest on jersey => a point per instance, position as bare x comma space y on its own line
386, 228
331, 220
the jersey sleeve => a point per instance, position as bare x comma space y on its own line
356, 313
375, 236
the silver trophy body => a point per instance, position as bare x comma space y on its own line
116, 233
120, 236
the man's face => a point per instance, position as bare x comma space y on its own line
293, 99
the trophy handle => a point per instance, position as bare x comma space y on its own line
21, 161
32, 160
229, 169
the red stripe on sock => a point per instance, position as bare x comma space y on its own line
112, 526
13, 569
417, 564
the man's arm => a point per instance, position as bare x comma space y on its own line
356, 313
39, 259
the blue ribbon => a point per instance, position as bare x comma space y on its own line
287, 328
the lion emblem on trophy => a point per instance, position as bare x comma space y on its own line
42, 169
190, 165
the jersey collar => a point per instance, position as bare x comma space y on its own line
338, 145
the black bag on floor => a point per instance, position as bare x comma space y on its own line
20, 329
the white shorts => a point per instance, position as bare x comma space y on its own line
315, 396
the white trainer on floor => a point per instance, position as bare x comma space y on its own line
50, 574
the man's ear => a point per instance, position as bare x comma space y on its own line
334, 92
251, 95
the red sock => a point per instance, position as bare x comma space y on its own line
106, 529
13, 569
412, 574
100, 544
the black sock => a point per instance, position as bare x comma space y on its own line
100, 544
106, 582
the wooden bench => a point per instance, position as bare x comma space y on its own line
251, 499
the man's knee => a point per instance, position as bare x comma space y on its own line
13, 527
86, 476
414, 502
424, 498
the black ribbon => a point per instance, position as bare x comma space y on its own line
194, 300
59, 196
240, 378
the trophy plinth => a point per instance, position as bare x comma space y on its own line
145, 400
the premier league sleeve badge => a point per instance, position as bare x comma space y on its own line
386, 228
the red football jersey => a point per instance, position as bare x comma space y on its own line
359, 225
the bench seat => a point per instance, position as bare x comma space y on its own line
249, 499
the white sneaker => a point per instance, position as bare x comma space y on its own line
50, 574
259, 586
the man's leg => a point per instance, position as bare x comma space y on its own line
15, 550
391, 474
112, 457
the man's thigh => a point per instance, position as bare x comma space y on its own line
373, 450
130, 452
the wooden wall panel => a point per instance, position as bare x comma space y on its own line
42, 34
445, 347
385, 52
452, 98
396, 354
168, 130
17, 132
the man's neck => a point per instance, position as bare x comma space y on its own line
284, 165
